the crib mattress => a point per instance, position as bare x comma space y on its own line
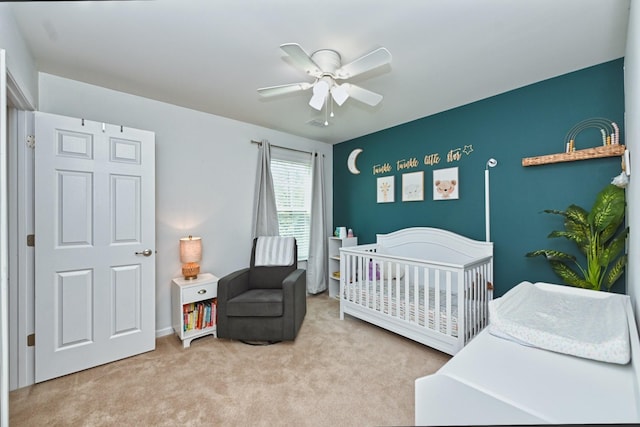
370, 296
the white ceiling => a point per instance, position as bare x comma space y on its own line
212, 55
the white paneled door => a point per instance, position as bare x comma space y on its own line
94, 244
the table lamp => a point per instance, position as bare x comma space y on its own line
190, 256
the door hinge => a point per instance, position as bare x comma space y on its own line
31, 340
31, 240
31, 141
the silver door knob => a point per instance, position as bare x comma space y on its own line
146, 252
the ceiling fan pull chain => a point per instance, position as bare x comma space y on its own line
326, 112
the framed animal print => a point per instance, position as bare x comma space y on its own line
445, 184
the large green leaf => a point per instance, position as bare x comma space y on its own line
577, 237
608, 208
577, 215
569, 276
551, 255
615, 272
614, 248
608, 232
571, 235
555, 212
576, 224
582, 229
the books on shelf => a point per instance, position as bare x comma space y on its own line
200, 315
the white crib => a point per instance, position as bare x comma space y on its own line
430, 285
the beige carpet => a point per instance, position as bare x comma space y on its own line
336, 373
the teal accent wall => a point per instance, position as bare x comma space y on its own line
525, 122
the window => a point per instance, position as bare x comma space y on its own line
291, 172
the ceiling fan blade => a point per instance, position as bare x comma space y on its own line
371, 60
283, 89
362, 95
301, 59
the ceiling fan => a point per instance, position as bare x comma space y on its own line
325, 66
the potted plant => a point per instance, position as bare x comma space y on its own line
596, 234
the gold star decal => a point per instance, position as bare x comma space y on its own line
468, 149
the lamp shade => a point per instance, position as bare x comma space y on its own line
190, 256
190, 249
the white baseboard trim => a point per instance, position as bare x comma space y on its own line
164, 332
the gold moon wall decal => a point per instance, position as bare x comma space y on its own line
351, 161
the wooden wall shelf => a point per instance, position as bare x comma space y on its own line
587, 153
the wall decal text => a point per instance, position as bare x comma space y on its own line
385, 168
454, 155
407, 164
431, 159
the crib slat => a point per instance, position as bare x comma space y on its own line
448, 320
374, 283
427, 291
436, 298
469, 305
367, 282
396, 290
485, 301
354, 269
479, 280
396, 286
345, 276
477, 289
416, 294
463, 306
402, 284
475, 301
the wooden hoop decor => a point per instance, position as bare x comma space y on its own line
609, 130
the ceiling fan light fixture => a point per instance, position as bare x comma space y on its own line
339, 94
320, 91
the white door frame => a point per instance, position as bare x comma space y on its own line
21, 257
4, 248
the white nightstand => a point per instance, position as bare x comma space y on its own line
193, 302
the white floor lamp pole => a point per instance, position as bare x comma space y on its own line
487, 216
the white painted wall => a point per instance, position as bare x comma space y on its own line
205, 171
632, 140
20, 64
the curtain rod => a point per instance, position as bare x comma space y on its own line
284, 148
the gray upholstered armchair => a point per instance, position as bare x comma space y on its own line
262, 302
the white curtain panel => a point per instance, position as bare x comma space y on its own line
265, 212
317, 261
